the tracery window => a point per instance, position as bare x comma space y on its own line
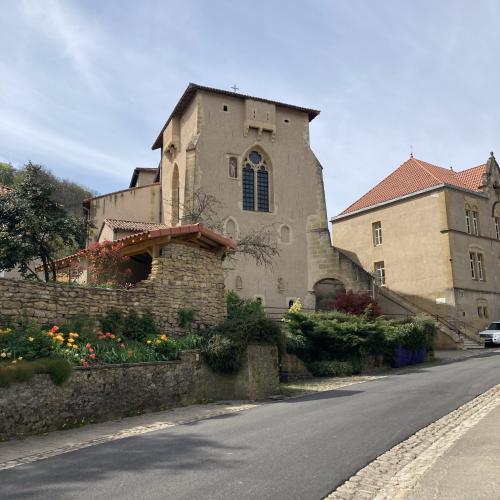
255, 172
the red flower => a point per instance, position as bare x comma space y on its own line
84, 363
54, 329
122, 346
108, 334
92, 356
88, 346
90, 349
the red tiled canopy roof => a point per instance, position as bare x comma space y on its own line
414, 176
193, 234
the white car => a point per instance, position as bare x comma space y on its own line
492, 334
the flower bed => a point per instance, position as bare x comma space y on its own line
81, 342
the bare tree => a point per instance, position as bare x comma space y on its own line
204, 209
258, 244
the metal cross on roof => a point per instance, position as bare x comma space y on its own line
234, 87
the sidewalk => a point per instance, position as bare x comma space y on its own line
470, 469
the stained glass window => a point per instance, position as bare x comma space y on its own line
248, 188
255, 157
255, 171
263, 190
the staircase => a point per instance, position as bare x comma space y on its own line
463, 339
470, 344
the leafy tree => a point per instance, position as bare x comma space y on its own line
33, 226
7, 174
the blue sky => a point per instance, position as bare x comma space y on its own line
86, 86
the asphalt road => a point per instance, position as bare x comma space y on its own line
293, 449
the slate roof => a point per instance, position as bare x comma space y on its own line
413, 176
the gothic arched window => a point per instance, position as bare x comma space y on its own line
255, 171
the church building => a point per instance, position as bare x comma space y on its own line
254, 157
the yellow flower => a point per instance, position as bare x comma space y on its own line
75, 346
3, 355
70, 341
296, 306
157, 341
148, 342
31, 339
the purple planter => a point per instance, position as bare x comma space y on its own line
404, 357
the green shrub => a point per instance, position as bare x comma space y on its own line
59, 370
333, 368
27, 341
238, 308
186, 317
84, 325
21, 371
130, 326
192, 341
223, 354
336, 336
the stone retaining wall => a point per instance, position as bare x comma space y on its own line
102, 393
182, 278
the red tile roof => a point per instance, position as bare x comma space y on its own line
414, 176
4, 189
195, 234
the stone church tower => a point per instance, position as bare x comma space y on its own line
254, 156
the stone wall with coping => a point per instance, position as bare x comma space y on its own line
112, 391
183, 277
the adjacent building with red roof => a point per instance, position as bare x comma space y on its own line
432, 235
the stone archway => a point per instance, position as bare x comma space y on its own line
325, 291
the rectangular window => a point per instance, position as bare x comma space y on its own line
248, 189
475, 223
467, 221
472, 260
497, 227
482, 311
380, 272
263, 191
480, 266
377, 233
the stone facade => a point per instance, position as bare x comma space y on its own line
428, 239
183, 277
203, 147
106, 392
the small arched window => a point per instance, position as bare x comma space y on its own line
285, 234
255, 171
231, 228
239, 283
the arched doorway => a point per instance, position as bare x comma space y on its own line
326, 291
